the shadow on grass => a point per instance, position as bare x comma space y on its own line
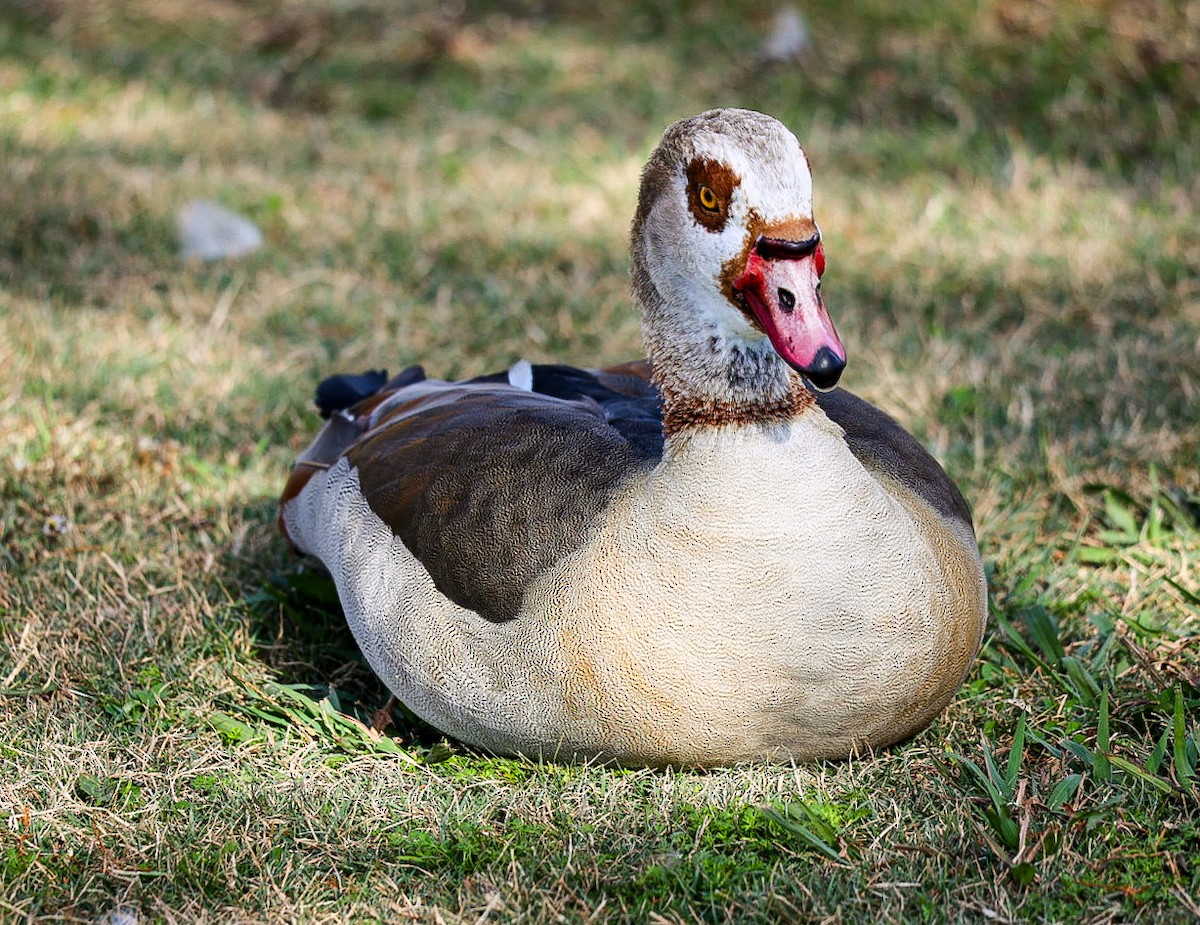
62, 239
293, 614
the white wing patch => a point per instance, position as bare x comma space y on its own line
520, 375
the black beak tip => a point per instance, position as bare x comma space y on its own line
825, 370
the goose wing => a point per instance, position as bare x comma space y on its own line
485, 483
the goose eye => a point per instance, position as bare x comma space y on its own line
708, 199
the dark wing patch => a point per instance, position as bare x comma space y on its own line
340, 392
880, 443
629, 402
352, 391
491, 487
625, 395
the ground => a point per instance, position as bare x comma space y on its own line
1007, 191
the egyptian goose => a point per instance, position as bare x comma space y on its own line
709, 557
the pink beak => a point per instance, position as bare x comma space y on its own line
780, 286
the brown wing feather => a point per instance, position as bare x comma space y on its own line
632, 379
488, 485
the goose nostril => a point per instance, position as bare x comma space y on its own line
787, 300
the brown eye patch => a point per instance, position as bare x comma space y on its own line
710, 185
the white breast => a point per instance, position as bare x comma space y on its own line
744, 599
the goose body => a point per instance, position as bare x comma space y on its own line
695, 560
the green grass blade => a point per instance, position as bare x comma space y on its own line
1118, 510
1154, 762
1125, 765
1019, 641
1184, 769
1023, 873
1044, 630
987, 784
1042, 742
784, 818
232, 730
1101, 768
1084, 754
272, 718
1106, 648
1015, 756
1063, 791
1003, 824
993, 772
1096, 555
1082, 681
1188, 596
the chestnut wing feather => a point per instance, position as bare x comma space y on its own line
489, 485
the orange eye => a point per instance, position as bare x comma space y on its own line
708, 199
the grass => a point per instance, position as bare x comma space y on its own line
186, 729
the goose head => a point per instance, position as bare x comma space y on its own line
726, 260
